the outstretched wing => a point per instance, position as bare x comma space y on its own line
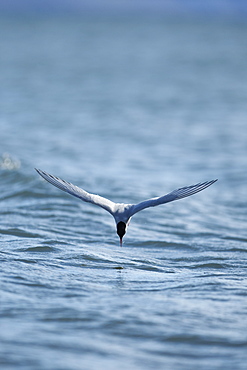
174, 195
108, 205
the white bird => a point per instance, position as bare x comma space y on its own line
122, 212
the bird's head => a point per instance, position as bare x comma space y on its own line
121, 230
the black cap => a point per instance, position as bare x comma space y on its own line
121, 229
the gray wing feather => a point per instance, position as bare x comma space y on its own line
174, 195
78, 192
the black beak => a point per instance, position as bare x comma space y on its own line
121, 230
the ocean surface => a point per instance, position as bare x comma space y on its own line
129, 108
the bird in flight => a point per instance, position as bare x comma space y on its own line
122, 212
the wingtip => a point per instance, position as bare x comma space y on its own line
210, 181
40, 172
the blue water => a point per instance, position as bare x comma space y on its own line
128, 108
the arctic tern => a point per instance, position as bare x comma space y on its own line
122, 212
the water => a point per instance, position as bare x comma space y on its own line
128, 108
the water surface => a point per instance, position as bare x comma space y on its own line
130, 109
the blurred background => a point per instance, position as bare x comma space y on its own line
128, 99
127, 88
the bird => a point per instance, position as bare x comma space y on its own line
123, 212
